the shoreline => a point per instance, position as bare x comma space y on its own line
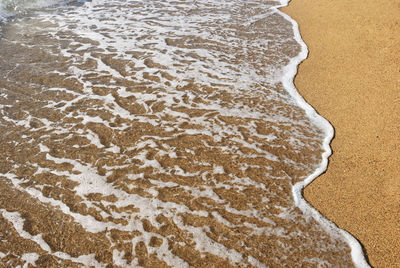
96, 147
350, 77
291, 70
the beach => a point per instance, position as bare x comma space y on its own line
352, 78
158, 134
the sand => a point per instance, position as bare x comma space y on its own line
352, 78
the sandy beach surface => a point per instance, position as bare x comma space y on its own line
352, 78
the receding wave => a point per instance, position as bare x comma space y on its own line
156, 133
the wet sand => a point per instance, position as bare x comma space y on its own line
145, 141
352, 78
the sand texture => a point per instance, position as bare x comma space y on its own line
352, 78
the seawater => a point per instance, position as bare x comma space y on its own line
158, 133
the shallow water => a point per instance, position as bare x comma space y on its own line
155, 133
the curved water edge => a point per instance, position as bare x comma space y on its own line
113, 70
357, 253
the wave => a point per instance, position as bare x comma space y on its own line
159, 120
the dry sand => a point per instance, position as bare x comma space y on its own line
352, 78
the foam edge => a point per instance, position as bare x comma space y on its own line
290, 72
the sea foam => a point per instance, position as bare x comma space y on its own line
163, 130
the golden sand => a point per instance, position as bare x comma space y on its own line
352, 78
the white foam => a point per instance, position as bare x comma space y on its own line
189, 64
30, 259
18, 222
